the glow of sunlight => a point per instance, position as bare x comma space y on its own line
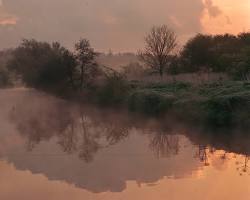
234, 17
5, 17
8, 21
16, 183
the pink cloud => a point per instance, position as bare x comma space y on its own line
8, 21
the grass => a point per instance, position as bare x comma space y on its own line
227, 103
150, 102
220, 104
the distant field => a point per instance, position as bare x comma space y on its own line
117, 61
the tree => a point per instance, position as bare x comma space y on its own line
42, 65
6, 77
5, 80
71, 65
197, 52
87, 66
160, 43
220, 53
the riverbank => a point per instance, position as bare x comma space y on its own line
219, 104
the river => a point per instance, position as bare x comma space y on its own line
53, 149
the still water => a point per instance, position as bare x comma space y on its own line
51, 149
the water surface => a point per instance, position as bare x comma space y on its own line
52, 149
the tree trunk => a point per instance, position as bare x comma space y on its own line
81, 78
161, 72
71, 80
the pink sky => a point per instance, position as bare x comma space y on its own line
119, 25
234, 17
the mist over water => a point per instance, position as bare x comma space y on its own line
92, 153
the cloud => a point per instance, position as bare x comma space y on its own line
5, 17
111, 24
213, 11
8, 21
119, 25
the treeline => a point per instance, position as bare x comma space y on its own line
218, 53
51, 66
228, 54
5, 76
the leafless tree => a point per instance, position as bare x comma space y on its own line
159, 44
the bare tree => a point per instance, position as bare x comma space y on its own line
160, 43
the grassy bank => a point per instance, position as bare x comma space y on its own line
220, 104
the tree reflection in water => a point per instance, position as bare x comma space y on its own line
79, 130
202, 154
243, 166
75, 131
164, 144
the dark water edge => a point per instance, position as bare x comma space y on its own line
222, 105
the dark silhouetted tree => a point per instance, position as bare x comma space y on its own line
160, 43
87, 66
5, 80
197, 52
219, 53
43, 65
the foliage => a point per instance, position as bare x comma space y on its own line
5, 80
241, 71
224, 102
51, 66
150, 102
113, 91
218, 53
86, 65
217, 103
169, 87
198, 51
47, 66
42, 65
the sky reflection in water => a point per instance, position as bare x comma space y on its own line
51, 149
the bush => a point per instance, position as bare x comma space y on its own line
150, 102
218, 112
169, 87
224, 102
42, 65
5, 80
241, 71
114, 90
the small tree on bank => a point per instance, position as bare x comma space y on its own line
159, 44
86, 64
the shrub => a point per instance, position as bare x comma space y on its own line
241, 71
5, 80
224, 102
42, 65
150, 102
218, 112
114, 90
